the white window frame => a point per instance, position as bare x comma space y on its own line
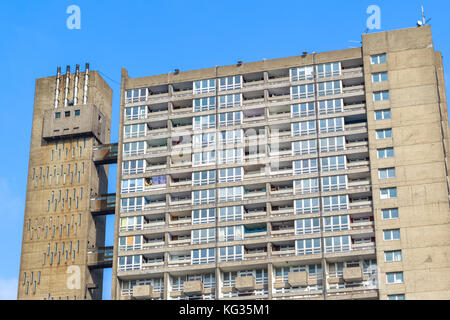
391, 235
336, 203
307, 205
136, 95
300, 148
389, 214
205, 158
382, 114
205, 196
384, 134
232, 213
132, 204
337, 244
380, 77
303, 91
393, 256
302, 73
204, 104
201, 216
134, 130
307, 226
230, 156
204, 122
332, 144
336, 223
199, 179
329, 88
331, 125
381, 96
327, 70
394, 277
305, 166
328, 164
331, 106
231, 137
231, 233
306, 186
230, 174
305, 109
378, 58
230, 83
201, 236
229, 194
231, 253
385, 153
386, 173
204, 86
127, 167
204, 140
304, 128
135, 113
333, 183
236, 118
385, 193
206, 255
230, 101
132, 185
136, 148
308, 246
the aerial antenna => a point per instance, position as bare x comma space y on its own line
424, 21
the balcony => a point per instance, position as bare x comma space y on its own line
105, 154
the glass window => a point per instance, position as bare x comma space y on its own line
231, 136
332, 183
305, 166
133, 167
230, 156
336, 223
329, 88
302, 73
394, 277
204, 86
135, 113
335, 203
381, 95
328, 70
386, 173
231, 194
337, 244
207, 255
231, 233
230, 83
203, 216
230, 118
331, 125
392, 234
136, 95
393, 256
388, 193
203, 196
384, 133
308, 205
134, 148
135, 130
385, 153
307, 226
389, 213
233, 253
230, 101
383, 114
302, 92
331, 106
132, 185
230, 174
307, 246
57, 115
201, 178
303, 110
132, 204
378, 59
306, 186
205, 122
200, 236
204, 104
204, 140
304, 128
77, 113
379, 77
233, 213
300, 148
333, 163
204, 158
332, 144
396, 297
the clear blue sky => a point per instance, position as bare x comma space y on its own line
154, 37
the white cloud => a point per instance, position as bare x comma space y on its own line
8, 289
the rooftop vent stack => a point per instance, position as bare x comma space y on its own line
66, 87
86, 81
75, 85
58, 79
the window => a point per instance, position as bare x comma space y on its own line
230, 175
302, 73
384, 133
203, 196
306, 186
379, 77
133, 167
201, 178
229, 156
67, 114
307, 246
389, 213
134, 148
383, 114
333, 163
200, 236
332, 183
300, 148
331, 106
204, 86
396, 297
204, 158
233, 213
307, 226
331, 125
128, 263
305, 166
135, 113
329, 88
385, 153
233, 253
230, 83
302, 92
131, 223
304, 128
328, 70
335, 203
135, 130
308, 205
204, 104
204, 140
200, 256
232, 233
337, 244
392, 234
393, 256
381, 95
132, 185
230, 101
130, 243
231, 136
77, 113
136, 95
203, 216
394, 277
332, 144
378, 59
205, 122
303, 110
386, 173
230, 194
132, 204
57, 115
388, 193
230, 118
336, 223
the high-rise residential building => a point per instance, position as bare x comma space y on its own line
64, 228
319, 176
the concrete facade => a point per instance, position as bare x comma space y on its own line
59, 229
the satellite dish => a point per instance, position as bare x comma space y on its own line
419, 23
